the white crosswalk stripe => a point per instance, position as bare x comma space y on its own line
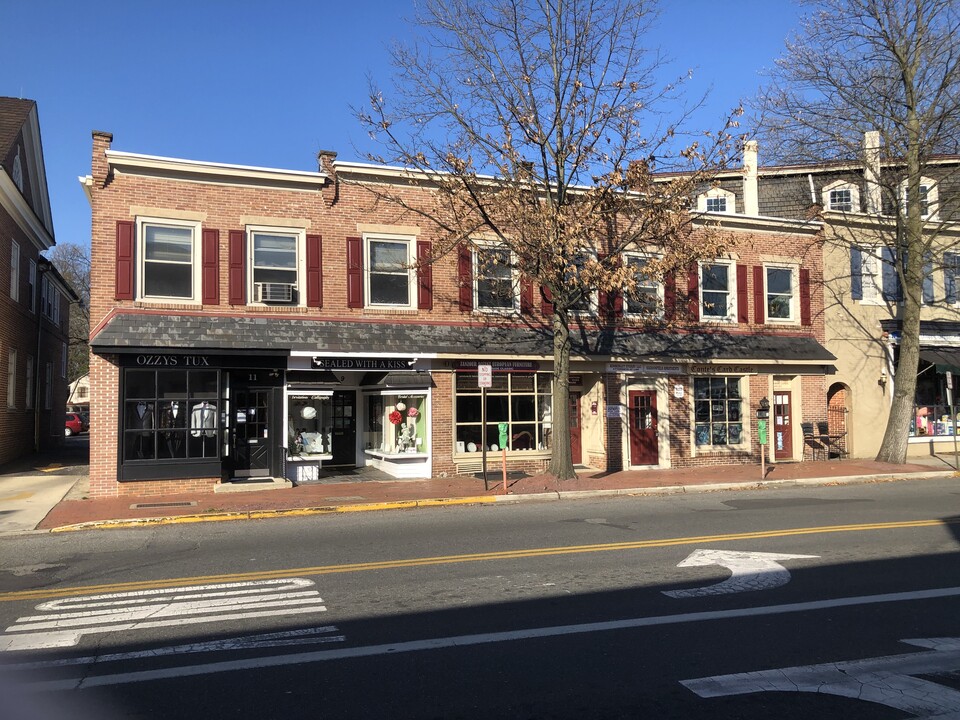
62, 622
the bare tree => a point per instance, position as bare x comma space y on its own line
73, 262
890, 67
541, 124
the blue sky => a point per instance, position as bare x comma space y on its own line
270, 83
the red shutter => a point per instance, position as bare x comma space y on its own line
693, 292
805, 297
669, 295
465, 277
743, 301
546, 304
424, 275
314, 271
354, 272
210, 262
759, 305
237, 273
526, 296
125, 243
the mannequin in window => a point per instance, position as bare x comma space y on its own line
203, 419
142, 419
172, 416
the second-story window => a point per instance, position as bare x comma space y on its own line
645, 298
780, 293
717, 291
389, 274
169, 263
275, 267
494, 282
14, 271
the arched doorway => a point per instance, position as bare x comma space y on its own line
838, 410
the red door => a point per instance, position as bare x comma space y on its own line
643, 427
576, 451
782, 426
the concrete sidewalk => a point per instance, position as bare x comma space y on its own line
77, 511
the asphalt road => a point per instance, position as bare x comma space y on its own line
816, 602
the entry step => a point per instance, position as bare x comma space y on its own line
252, 485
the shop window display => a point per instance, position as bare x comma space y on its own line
396, 424
170, 414
522, 400
717, 411
309, 425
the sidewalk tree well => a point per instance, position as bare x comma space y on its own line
877, 82
540, 127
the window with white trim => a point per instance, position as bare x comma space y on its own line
12, 378
63, 360
781, 293
841, 196
717, 411
169, 260
522, 400
646, 297
15, 271
50, 300
587, 302
389, 277
494, 279
32, 285
718, 290
276, 265
29, 388
929, 198
717, 200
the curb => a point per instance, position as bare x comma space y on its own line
552, 496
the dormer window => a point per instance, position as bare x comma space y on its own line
841, 196
717, 200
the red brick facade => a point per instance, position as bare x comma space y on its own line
224, 201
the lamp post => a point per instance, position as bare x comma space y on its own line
763, 413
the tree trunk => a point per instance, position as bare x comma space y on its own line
561, 458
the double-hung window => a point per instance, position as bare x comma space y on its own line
12, 378
275, 265
169, 260
645, 297
14, 271
389, 277
951, 276
718, 291
929, 198
586, 301
494, 287
780, 293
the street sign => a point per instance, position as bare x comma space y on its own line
485, 376
949, 380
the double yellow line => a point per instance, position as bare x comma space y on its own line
47, 593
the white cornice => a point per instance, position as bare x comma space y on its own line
86, 183
757, 223
217, 173
13, 202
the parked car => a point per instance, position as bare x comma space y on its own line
75, 424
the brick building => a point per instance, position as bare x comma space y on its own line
34, 298
255, 323
861, 204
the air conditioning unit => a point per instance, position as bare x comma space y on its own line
272, 292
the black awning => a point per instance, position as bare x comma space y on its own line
943, 358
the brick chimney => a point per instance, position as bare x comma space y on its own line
326, 160
751, 197
100, 166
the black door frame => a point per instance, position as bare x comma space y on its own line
257, 381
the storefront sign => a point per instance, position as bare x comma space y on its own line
722, 370
645, 369
498, 365
174, 360
361, 364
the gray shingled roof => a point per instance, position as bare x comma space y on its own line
130, 332
13, 114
